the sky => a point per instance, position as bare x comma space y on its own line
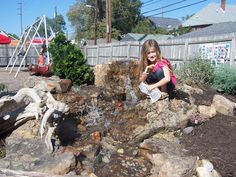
31, 9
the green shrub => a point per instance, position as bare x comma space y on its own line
69, 62
3, 88
225, 79
196, 71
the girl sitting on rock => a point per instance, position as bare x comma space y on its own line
155, 70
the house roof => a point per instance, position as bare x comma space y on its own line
4, 39
143, 37
157, 37
166, 23
133, 37
215, 29
212, 14
99, 41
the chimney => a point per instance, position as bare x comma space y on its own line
222, 5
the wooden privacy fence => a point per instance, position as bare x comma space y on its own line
221, 47
6, 52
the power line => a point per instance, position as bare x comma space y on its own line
144, 4
178, 8
164, 6
148, 1
164, 11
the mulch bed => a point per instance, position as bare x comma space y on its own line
214, 139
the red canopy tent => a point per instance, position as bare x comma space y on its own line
4, 39
35, 41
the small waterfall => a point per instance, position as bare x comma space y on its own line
94, 116
130, 95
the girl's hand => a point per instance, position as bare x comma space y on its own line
151, 87
143, 76
148, 67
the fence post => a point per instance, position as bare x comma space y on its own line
233, 51
111, 52
97, 56
186, 50
85, 52
7, 53
139, 49
128, 51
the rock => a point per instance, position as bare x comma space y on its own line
105, 159
100, 73
159, 116
28, 154
50, 84
168, 159
28, 130
223, 105
187, 130
92, 175
208, 111
120, 151
65, 85
205, 168
190, 90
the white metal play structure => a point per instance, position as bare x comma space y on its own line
27, 35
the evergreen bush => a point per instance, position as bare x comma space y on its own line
69, 62
196, 71
225, 79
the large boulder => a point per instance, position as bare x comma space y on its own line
223, 105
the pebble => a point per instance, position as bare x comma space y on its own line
120, 151
188, 130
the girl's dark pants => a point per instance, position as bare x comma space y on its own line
154, 77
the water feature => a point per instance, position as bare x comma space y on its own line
95, 116
130, 94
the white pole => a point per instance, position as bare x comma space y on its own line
28, 47
22, 45
46, 37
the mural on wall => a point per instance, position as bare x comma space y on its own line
206, 50
217, 53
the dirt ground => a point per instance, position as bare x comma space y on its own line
214, 139
13, 84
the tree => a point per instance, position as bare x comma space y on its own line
81, 18
144, 26
160, 30
13, 35
179, 31
57, 24
125, 15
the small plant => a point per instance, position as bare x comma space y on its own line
3, 87
196, 71
225, 79
2, 152
69, 62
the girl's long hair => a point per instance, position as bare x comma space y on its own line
144, 52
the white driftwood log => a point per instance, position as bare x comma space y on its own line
39, 106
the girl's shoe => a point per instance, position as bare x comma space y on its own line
164, 95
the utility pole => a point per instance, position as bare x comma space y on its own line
20, 13
95, 8
55, 11
110, 12
95, 22
108, 21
